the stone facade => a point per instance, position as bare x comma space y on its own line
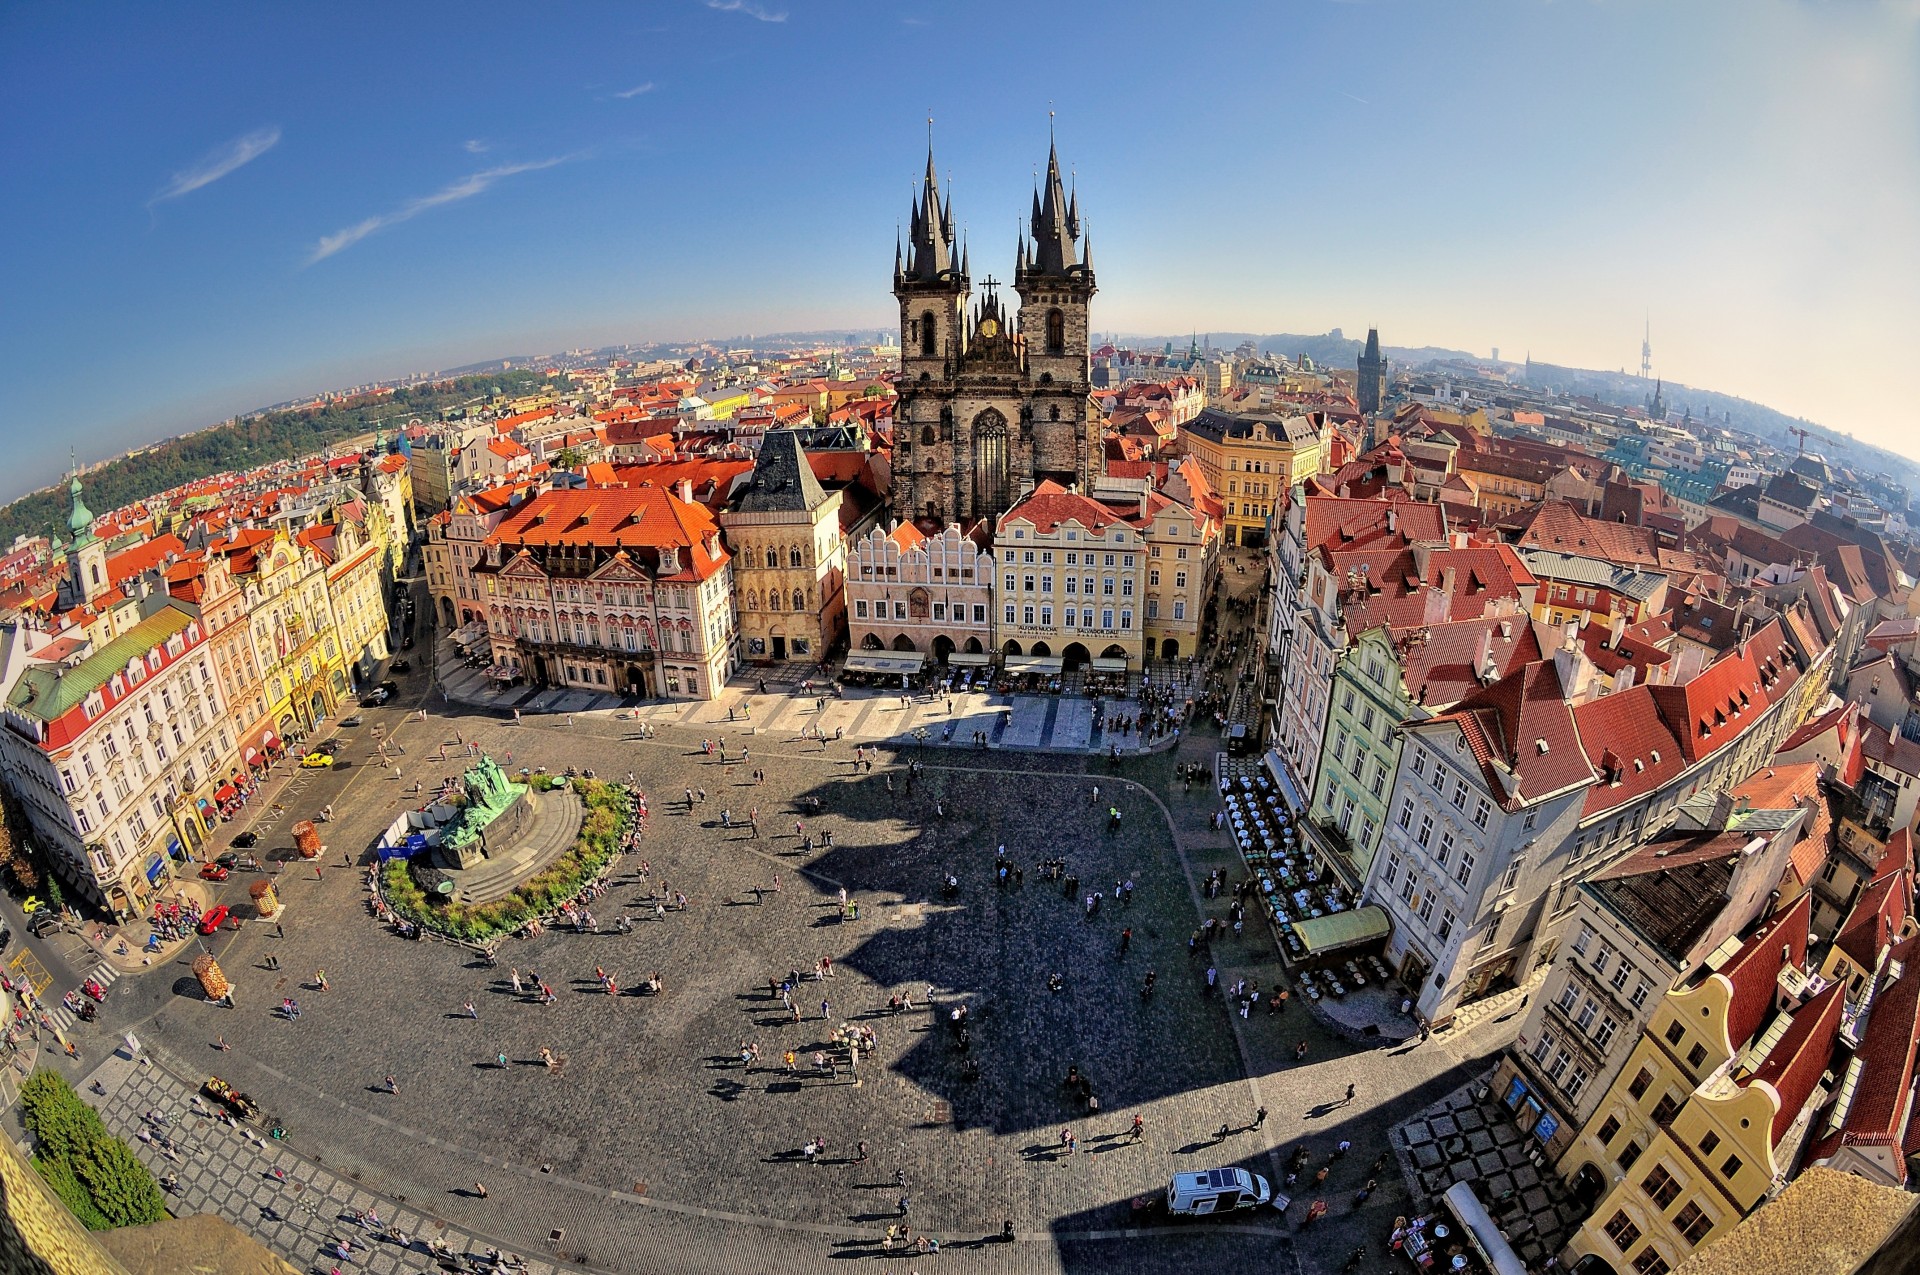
790, 558
907, 591
991, 403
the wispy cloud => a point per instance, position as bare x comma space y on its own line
474, 146
218, 162
748, 7
635, 91
466, 188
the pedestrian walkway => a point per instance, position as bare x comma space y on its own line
296, 1207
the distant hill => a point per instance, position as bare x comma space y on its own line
247, 441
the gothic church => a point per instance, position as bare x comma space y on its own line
992, 402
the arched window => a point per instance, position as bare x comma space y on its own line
799, 600
928, 436
926, 335
773, 556
773, 599
753, 600
1056, 332
793, 555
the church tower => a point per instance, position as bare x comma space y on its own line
86, 554
1054, 277
993, 397
1373, 374
932, 290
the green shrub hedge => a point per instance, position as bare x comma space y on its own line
599, 843
93, 1172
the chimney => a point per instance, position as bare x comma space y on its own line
684, 490
1483, 650
1393, 519
1447, 579
1616, 631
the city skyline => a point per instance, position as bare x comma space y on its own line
240, 231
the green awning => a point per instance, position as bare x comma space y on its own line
1322, 934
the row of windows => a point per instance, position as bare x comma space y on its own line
1067, 617
1603, 959
1118, 536
1072, 584
1027, 556
938, 611
1420, 897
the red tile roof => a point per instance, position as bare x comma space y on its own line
1882, 1108
1630, 745
1754, 971
630, 518
1876, 918
1712, 709
1522, 725
1794, 1066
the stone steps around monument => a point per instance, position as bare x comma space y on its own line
550, 836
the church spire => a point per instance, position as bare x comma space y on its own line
930, 233
1056, 223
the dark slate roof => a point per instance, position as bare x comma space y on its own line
782, 480
1217, 425
1670, 891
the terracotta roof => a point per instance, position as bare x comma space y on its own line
1824, 1223
1630, 745
1555, 524
1440, 670
1895, 752
1049, 505
1754, 971
1876, 918
1881, 1108
630, 518
1794, 1065
1522, 725
1712, 709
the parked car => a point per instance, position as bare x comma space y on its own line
215, 871
390, 687
246, 840
6, 938
316, 761
213, 918
331, 747
375, 698
355, 720
400, 666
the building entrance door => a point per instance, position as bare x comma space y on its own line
779, 648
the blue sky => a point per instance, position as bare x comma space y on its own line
211, 207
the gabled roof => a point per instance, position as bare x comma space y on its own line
1521, 726
1881, 1109
1712, 709
1754, 971
1876, 918
1671, 890
1630, 745
1795, 1063
1556, 524
1440, 670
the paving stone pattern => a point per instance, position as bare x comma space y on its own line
1467, 1136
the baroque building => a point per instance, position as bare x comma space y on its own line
992, 403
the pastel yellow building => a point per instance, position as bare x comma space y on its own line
1252, 460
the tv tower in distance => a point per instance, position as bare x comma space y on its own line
1646, 351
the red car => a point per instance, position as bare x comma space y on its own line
213, 918
213, 872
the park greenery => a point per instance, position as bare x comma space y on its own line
258, 439
94, 1173
601, 832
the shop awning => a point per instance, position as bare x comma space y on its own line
1283, 777
898, 662
1322, 934
1034, 664
1481, 1232
225, 793
969, 659
252, 755
1104, 664
205, 804
269, 740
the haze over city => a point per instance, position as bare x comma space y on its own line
218, 214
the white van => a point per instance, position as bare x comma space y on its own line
1216, 1191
